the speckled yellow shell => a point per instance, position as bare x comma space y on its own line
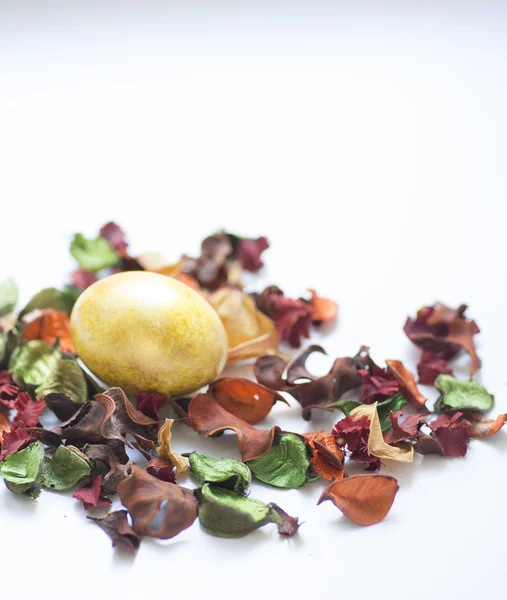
147, 332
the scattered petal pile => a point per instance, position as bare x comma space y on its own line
90, 452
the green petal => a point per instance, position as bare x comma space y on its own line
285, 465
8, 296
225, 514
385, 407
22, 470
34, 361
67, 468
346, 406
461, 395
65, 378
93, 255
228, 473
51, 298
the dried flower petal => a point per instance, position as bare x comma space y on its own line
248, 252
243, 398
482, 427
28, 411
50, 298
452, 433
327, 456
90, 496
149, 403
33, 362
461, 395
208, 418
116, 238
65, 469
430, 367
365, 499
162, 469
82, 278
323, 310
285, 465
118, 529
14, 440
406, 381
8, 296
65, 389
115, 471
225, 472
51, 326
164, 448
146, 497
407, 430
353, 434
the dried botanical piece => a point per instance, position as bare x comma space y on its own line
64, 389
323, 310
406, 381
248, 252
13, 441
90, 496
376, 445
8, 296
162, 469
113, 471
225, 514
158, 509
406, 430
352, 434
228, 473
116, 237
430, 367
51, 326
482, 427
118, 529
327, 456
28, 412
33, 362
65, 469
443, 331
82, 278
22, 470
51, 298
208, 418
243, 398
285, 465
461, 395
149, 403
249, 332
364, 499
449, 436
93, 255
164, 448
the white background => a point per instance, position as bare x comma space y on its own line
368, 142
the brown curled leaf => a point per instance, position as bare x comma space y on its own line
116, 526
296, 369
244, 398
365, 499
145, 497
406, 381
115, 472
326, 456
323, 310
269, 370
481, 426
51, 325
210, 419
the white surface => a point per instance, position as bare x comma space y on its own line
369, 146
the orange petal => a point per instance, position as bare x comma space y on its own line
365, 499
406, 381
49, 326
324, 310
481, 426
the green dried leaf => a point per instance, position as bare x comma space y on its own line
225, 514
228, 473
67, 379
285, 465
384, 409
8, 296
93, 255
8, 342
66, 469
346, 406
461, 395
22, 470
33, 362
51, 298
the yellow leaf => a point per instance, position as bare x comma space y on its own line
164, 448
376, 444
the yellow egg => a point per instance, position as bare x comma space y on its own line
148, 332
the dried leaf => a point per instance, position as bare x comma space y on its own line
116, 526
285, 465
225, 514
353, 434
93, 255
146, 497
115, 471
249, 332
461, 395
51, 326
296, 369
8, 296
452, 433
65, 469
225, 472
248, 252
269, 370
243, 398
115, 237
407, 430
327, 456
430, 367
51, 298
365, 499
164, 448
406, 381
208, 418
13, 441
376, 444
483, 427
28, 411
21, 471
34, 362
149, 403
83, 279
64, 390
162, 469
